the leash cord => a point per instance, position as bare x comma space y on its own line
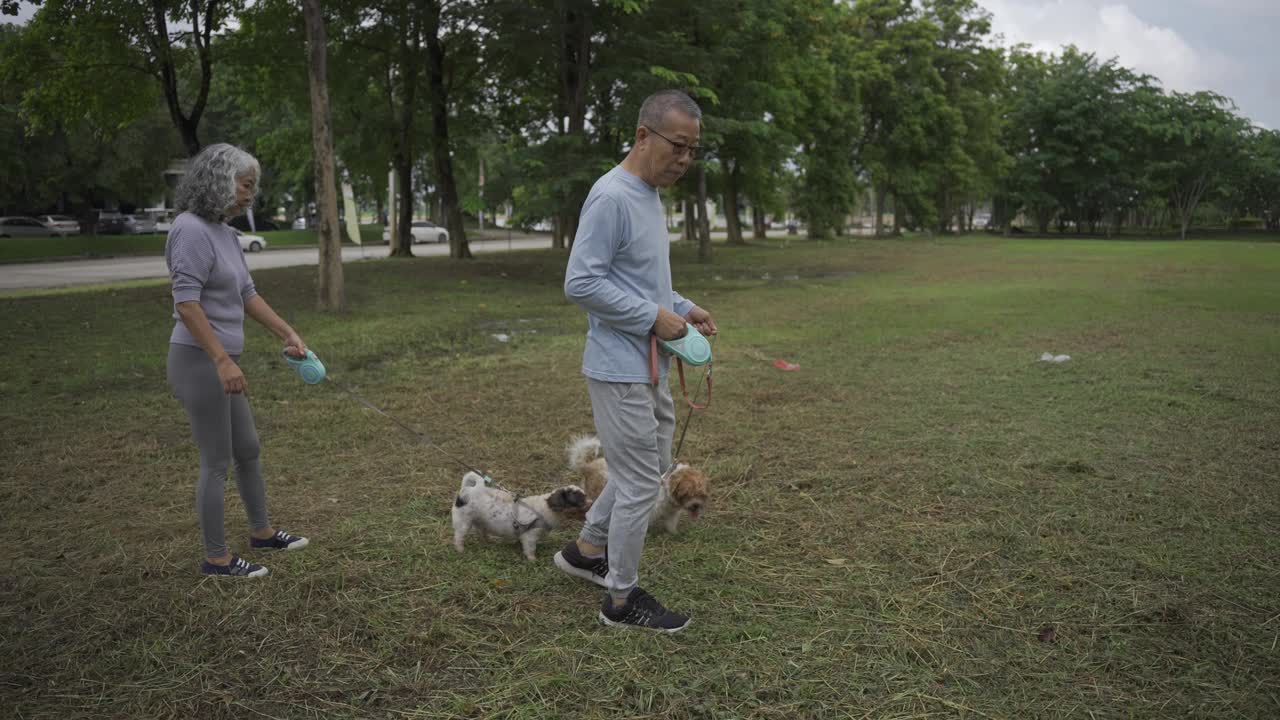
689, 415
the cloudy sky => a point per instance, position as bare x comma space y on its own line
1219, 45
1226, 46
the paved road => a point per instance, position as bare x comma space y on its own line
89, 272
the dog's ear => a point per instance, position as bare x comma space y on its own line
688, 483
682, 488
558, 502
566, 498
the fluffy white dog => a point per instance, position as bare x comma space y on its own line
502, 514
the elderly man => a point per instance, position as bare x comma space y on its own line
620, 273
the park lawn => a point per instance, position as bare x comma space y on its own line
920, 521
85, 246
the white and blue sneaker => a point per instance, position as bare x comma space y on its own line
238, 567
280, 541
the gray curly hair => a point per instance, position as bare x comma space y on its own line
209, 186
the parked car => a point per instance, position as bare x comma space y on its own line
64, 224
241, 222
18, 226
139, 224
111, 223
423, 231
250, 243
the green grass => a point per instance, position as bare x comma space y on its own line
16, 249
922, 521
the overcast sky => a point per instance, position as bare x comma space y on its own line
1227, 46
1219, 45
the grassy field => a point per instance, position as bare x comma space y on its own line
31, 248
922, 521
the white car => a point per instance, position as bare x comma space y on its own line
423, 231
250, 243
64, 224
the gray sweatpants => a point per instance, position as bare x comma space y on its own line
635, 422
223, 428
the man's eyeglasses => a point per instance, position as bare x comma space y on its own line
679, 147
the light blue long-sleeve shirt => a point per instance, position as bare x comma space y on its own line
620, 273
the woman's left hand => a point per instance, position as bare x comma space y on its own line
294, 346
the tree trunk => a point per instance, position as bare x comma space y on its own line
757, 222
409, 47
557, 232
187, 124
393, 209
331, 292
571, 228
402, 243
574, 24
879, 223
440, 156
690, 220
897, 218
731, 220
704, 224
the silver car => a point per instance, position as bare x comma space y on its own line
64, 224
139, 224
17, 226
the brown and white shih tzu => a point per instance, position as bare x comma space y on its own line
684, 489
500, 514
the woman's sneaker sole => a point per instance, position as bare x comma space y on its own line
604, 620
579, 572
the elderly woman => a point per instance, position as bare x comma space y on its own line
212, 292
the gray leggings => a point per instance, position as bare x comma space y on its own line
223, 428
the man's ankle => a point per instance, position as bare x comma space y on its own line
589, 550
221, 560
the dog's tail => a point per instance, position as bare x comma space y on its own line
469, 481
582, 450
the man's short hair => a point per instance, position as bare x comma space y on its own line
655, 107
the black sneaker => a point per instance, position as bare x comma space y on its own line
572, 561
236, 568
642, 611
280, 541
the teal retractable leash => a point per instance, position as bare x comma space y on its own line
312, 372
692, 348
696, 350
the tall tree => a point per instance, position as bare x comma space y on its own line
67, 164
105, 44
1201, 138
448, 38
330, 286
